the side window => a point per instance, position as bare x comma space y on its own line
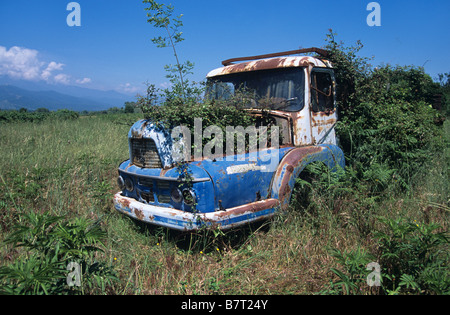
322, 96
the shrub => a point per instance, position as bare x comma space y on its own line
386, 115
414, 257
176, 111
50, 245
353, 274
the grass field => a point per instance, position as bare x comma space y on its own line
68, 168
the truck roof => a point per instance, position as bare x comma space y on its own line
273, 61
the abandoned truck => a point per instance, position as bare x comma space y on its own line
236, 190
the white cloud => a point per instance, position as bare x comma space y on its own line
20, 63
52, 66
25, 64
83, 81
128, 88
62, 78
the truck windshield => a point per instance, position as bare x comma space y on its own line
279, 89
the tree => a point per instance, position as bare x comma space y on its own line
387, 125
129, 107
42, 110
160, 16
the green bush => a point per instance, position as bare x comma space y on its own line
413, 260
64, 114
51, 244
177, 111
353, 274
414, 257
386, 117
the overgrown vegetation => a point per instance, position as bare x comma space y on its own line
390, 205
50, 246
388, 128
183, 101
68, 169
405, 233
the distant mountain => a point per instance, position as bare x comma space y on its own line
33, 95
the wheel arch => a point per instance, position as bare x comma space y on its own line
294, 162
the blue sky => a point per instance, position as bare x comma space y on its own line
112, 50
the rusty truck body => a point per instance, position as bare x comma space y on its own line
236, 190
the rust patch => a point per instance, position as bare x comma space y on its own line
295, 156
327, 112
265, 64
251, 207
139, 214
164, 171
136, 134
286, 192
321, 52
319, 122
125, 202
292, 159
289, 168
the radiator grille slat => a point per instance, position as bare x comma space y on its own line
144, 153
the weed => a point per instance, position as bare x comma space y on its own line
414, 257
50, 244
354, 276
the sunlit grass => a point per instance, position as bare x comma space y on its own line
69, 168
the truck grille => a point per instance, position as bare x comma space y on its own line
144, 153
149, 188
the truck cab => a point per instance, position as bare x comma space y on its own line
297, 93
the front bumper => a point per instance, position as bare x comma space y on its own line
187, 221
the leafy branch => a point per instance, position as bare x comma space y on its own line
160, 16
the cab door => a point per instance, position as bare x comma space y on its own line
323, 106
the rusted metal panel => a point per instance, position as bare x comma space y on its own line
320, 51
295, 161
186, 221
240, 179
273, 63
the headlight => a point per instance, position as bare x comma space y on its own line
121, 183
176, 195
129, 184
189, 196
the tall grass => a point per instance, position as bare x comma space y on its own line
69, 168
58, 167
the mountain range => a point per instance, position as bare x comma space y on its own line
16, 94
